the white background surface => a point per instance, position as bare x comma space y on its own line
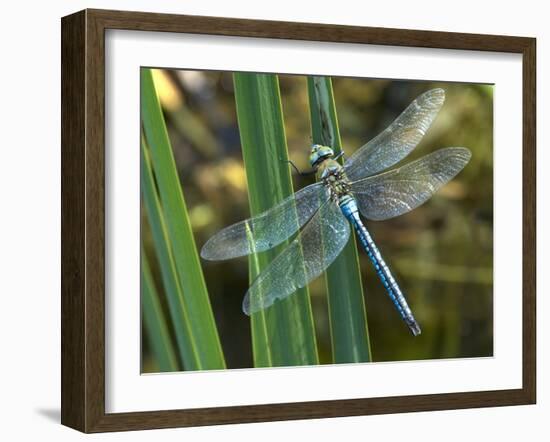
30, 226
128, 391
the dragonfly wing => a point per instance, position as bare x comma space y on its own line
398, 139
305, 258
403, 189
267, 229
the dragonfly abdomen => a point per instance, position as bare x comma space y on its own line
349, 208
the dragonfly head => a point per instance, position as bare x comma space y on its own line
319, 153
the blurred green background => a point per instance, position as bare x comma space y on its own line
441, 253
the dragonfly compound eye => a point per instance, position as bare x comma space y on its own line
319, 153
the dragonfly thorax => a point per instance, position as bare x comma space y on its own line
332, 175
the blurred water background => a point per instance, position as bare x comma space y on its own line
441, 253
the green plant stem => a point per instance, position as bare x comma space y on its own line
186, 259
172, 288
283, 334
154, 320
348, 317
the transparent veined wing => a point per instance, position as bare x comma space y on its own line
403, 189
398, 139
267, 229
305, 258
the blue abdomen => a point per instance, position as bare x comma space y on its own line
348, 206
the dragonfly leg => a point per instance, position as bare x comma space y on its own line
340, 155
308, 173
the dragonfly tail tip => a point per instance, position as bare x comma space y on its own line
415, 329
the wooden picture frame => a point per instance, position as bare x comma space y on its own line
83, 220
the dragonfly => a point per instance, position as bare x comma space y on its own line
328, 210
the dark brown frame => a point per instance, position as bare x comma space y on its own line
83, 216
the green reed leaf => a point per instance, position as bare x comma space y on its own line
283, 334
154, 320
348, 317
195, 300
